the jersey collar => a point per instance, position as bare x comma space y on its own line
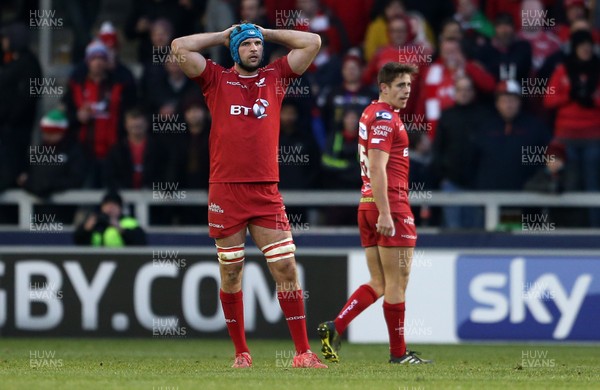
387, 105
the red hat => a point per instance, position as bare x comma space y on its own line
108, 35
353, 57
55, 121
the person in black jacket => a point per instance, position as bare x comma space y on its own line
109, 227
58, 164
21, 86
506, 53
137, 161
511, 144
453, 163
551, 179
298, 152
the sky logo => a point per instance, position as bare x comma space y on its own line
528, 297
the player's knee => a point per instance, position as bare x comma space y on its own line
280, 250
231, 254
284, 271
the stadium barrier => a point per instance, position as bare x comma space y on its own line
455, 295
492, 202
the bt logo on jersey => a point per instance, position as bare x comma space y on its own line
259, 109
527, 297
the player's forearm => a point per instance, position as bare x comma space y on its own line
379, 188
293, 39
198, 42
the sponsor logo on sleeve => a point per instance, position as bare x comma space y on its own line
362, 130
384, 115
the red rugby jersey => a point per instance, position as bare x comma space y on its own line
380, 127
244, 136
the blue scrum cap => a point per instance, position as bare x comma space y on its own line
238, 35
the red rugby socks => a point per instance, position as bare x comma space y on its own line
363, 297
233, 308
292, 305
394, 318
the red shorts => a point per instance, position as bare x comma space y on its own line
404, 223
232, 206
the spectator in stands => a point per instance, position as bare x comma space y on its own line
551, 177
553, 60
18, 101
453, 150
323, 22
95, 105
576, 98
57, 164
194, 162
161, 35
137, 161
452, 30
109, 227
183, 15
436, 92
298, 152
574, 10
509, 143
423, 34
351, 94
81, 15
493, 8
219, 16
278, 10
354, 15
506, 56
189, 168
108, 35
253, 11
165, 84
543, 41
401, 47
325, 71
376, 35
472, 20
340, 160
420, 175
434, 11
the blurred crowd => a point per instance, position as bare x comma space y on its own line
507, 98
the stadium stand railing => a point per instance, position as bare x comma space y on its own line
492, 202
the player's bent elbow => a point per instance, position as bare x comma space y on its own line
316, 40
176, 45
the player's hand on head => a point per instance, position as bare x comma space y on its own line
262, 30
385, 225
227, 34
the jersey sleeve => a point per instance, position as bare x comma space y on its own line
283, 68
380, 131
208, 78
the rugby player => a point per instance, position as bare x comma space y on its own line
385, 220
244, 102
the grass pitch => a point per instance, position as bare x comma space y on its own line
160, 364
